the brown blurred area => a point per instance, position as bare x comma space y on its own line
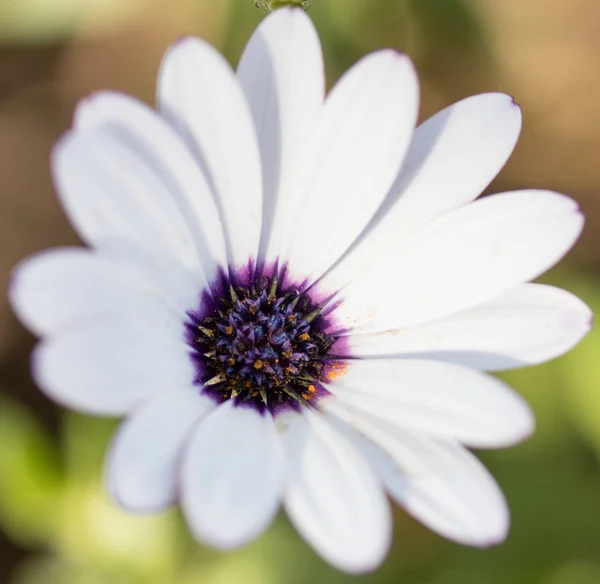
548, 53
543, 52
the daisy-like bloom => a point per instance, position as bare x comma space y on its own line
294, 299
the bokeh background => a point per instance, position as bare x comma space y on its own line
56, 525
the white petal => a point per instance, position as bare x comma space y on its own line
452, 158
232, 476
527, 325
143, 463
435, 398
58, 289
111, 368
184, 285
441, 484
333, 497
178, 191
461, 260
281, 72
110, 193
200, 95
351, 160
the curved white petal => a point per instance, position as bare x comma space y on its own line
232, 476
350, 161
110, 368
143, 462
440, 483
201, 97
110, 193
461, 260
184, 285
60, 288
530, 324
435, 398
179, 186
333, 497
281, 72
452, 158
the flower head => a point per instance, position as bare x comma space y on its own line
295, 299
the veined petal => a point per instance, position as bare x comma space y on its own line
154, 147
463, 259
439, 483
161, 269
281, 72
110, 193
143, 463
58, 289
333, 497
530, 324
201, 97
111, 368
434, 398
232, 476
452, 158
351, 161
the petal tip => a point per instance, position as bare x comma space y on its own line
38, 370
183, 40
222, 539
360, 568
132, 506
527, 430
13, 288
19, 297
120, 495
493, 540
83, 116
524, 426
496, 533
590, 321
579, 317
184, 43
399, 56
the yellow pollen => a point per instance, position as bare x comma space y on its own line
336, 369
304, 337
229, 330
258, 364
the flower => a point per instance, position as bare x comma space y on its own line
295, 299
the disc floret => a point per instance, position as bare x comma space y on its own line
262, 345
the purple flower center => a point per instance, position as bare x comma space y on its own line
265, 346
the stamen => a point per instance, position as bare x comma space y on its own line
262, 345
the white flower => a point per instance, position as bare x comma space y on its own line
294, 299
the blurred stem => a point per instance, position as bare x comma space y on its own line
274, 4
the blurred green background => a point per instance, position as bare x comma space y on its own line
56, 525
